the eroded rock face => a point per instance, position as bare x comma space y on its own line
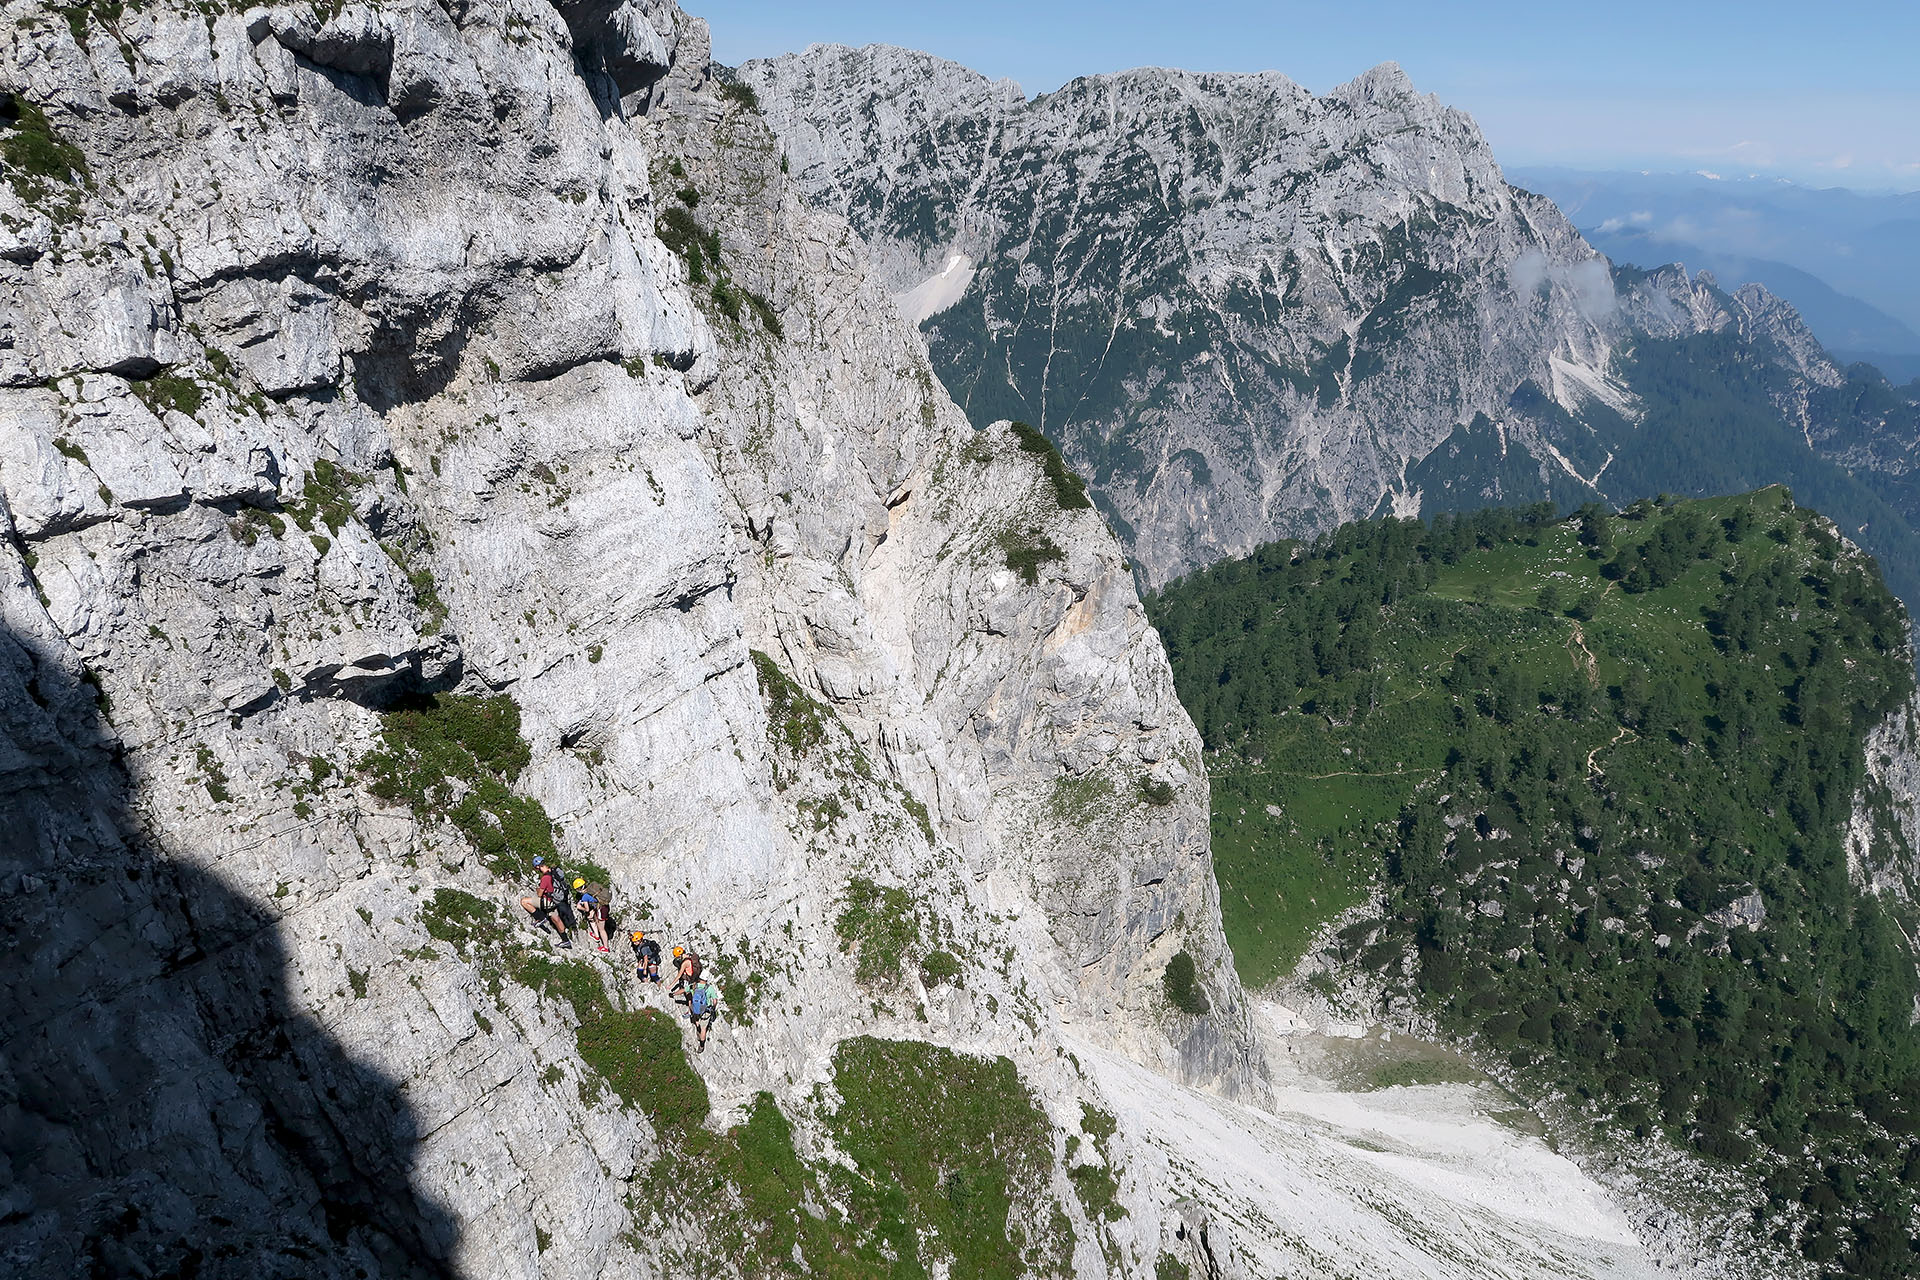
1248, 312
1271, 303
357, 370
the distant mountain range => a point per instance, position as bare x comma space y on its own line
1245, 311
1848, 261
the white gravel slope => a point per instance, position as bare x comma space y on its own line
1406, 1182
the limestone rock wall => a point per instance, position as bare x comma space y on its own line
1267, 304
1250, 312
345, 362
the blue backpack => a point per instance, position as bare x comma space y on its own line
701, 1001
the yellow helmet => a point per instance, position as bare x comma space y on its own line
579, 884
636, 936
678, 952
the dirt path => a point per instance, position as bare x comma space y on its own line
1595, 768
1592, 664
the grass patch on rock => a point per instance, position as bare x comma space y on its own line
462, 920
1183, 985
795, 720
639, 1053
453, 756
1069, 490
34, 152
951, 1149
880, 926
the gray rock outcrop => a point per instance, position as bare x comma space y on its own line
343, 363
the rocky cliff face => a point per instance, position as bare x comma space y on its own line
356, 374
1248, 312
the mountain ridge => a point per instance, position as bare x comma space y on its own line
1305, 301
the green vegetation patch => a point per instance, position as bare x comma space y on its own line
681, 232
951, 1155
740, 93
639, 1054
165, 391
644, 1061
36, 156
881, 926
769, 318
1025, 550
457, 917
454, 756
326, 496
1182, 985
954, 1150
940, 968
795, 719
1098, 1191
1069, 490
1600, 768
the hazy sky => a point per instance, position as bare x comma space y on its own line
1826, 93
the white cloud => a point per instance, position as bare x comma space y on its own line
1528, 273
1588, 284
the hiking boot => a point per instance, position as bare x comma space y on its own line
567, 943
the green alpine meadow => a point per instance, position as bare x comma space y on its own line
1578, 788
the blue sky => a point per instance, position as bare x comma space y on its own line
1823, 93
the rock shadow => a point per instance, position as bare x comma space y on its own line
164, 1110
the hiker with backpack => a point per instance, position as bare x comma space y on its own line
687, 966
701, 1003
596, 904
646, 953
549, 901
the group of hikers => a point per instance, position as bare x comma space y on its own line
553, 902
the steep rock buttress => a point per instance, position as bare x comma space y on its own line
357, 357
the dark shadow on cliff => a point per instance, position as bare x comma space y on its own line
164, 1110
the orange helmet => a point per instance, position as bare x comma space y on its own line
637, 936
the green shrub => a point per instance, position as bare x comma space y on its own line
680, 232
1183, 986
742, 94
940, 967
1026, 551
214, 777
1156, 792
1069, 490
794, 719
769, 318
430, 744
880, 925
